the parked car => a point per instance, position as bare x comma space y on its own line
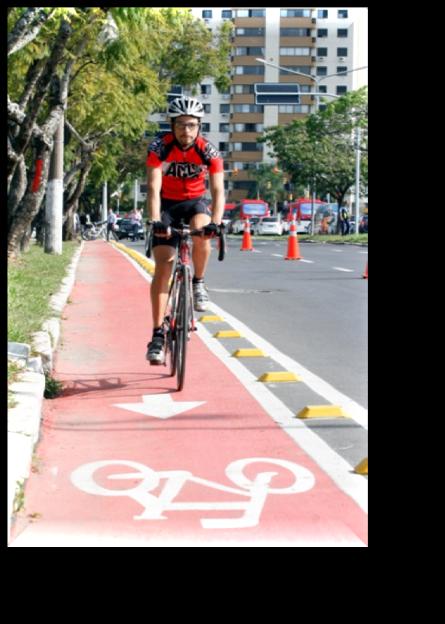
269, 225
363, 224
125, 229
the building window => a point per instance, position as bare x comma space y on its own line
303, 69
295, 51
226, 14
322, 13
322, 32
341, 69
205, 127
207, 108
224, 108
322, 71
321, 107
248, 108
238, 89
249, 69
342, 13
342, 51
295, 32
249, 32
252, 51
206, 14
223, 146
248, 127
293, 108
341, 90
251, 13
224, 127
322, 51
206, 89
342, 32
322, 88
295, 13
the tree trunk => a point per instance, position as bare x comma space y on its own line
27, 209
17, 189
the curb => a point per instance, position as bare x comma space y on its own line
24, 418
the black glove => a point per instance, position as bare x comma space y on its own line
159, 228
211, 230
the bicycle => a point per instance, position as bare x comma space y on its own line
179, 319
93, 231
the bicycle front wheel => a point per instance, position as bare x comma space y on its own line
182, 327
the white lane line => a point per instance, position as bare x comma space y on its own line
344, 270
307, 261
315, 383
278, 255
329, 461
333, 464
363, 252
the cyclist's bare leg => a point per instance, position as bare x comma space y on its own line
164, 256
201, 247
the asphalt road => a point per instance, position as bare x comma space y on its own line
314, 310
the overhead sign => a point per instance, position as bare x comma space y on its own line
277, 93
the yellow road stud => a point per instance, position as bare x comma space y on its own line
211, 319
322, 411
248, 353
227, 333
279, 376
362, 467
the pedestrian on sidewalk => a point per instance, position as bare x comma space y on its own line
111, 224
344, 220
177, 164
135, 217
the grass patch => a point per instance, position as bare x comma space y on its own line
13, 371
358, 239
32, 279
53, 388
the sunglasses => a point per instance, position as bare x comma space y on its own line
189, 126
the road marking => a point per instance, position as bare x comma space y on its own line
329, 461
307, 261
344, 270
159, 406
333, 464
154, 505
278, 255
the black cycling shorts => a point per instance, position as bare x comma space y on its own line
173, 212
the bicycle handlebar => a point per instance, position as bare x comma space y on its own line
185, 231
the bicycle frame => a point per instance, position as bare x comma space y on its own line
179, 318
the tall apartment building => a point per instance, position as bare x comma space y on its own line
315, 42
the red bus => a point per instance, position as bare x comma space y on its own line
247, 208
301, 211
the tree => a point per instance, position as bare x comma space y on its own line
108, 68
319, 150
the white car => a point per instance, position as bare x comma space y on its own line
269, 225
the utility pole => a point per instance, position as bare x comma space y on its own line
54, 195
104, 201
357, 176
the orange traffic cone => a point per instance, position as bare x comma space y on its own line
365, 274
293, 249
246, 244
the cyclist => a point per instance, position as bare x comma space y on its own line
177, 164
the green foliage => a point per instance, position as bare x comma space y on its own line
53, 388
319, 151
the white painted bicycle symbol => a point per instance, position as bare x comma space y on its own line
256, 490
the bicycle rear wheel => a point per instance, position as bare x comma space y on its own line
182, 326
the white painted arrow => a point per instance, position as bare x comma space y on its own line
159, 406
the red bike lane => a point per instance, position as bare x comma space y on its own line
125, 460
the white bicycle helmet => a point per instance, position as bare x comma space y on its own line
185, 105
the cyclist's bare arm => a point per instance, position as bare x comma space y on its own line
154, 183
216, 183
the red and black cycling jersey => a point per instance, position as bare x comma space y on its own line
183, 170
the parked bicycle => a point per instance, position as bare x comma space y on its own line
93, 231
179, 319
